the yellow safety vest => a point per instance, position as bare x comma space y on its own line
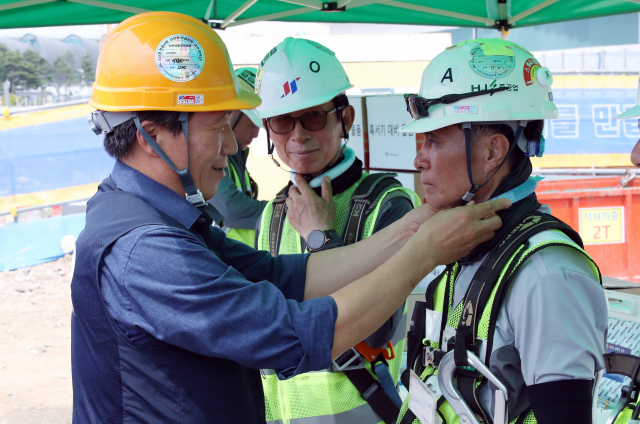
325, 397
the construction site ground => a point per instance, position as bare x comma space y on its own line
35, 344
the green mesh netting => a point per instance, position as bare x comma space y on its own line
273, 405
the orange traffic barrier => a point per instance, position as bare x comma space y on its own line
607, 217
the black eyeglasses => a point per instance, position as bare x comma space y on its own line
418, 106
310, 121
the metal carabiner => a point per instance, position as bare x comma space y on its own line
446, 373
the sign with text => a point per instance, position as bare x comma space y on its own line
389, 148
359, 127
586, 122
602, 225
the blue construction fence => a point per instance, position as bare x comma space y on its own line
28, 243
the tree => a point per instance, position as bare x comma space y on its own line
43, 68
21, 70
88, 70
64, 73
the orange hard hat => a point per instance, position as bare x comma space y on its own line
166, 61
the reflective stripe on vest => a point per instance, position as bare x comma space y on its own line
324, 396
359, 415
448, 278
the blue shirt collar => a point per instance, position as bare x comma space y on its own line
157, 195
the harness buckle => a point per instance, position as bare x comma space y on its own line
196, 199
370, 354
451, 393
344, 361
429, 356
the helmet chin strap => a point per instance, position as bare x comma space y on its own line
467, 142
193, 195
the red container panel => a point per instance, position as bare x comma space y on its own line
618, 259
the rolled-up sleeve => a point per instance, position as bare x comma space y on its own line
181, 293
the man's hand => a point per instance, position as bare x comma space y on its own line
449, 235
308, 212
415, 218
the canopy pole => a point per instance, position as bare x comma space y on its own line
24, 3
113, 6
537, 8
273, 16
357, 3
306, 3
239, 11
440, 12
207, 14
502, 24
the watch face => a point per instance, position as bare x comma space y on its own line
315, 240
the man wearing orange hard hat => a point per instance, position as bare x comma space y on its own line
171, 319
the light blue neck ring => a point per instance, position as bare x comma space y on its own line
522, 191
333, 173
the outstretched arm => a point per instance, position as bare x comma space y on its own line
387, 266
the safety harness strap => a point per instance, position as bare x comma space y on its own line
363, 202
277, 221
372, 392
623, 364
479, 294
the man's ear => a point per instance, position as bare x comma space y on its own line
497, 150
151, 129
349, 115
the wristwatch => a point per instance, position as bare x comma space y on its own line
317, 239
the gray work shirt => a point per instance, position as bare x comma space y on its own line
552, 325
239, 210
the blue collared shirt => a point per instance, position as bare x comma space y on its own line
164, 285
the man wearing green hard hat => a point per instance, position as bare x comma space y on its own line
514, 332
237, 196
330, 202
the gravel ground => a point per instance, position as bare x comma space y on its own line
35, 344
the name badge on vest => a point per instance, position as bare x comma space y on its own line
422, 400
433, 322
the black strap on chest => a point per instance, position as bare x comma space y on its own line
362, 203
277, 220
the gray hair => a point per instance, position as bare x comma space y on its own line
533, 131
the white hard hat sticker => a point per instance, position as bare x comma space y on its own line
449, 74
179, 58
529, 70
466, 109
190, 99
492, 61
259, 76
290, 87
